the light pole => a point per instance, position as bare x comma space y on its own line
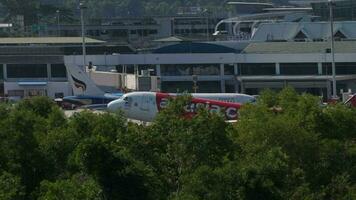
332, 49
195, 81
207, 28
82, 7
206, 12
173, 27
58, 28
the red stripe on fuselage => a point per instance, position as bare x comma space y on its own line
230, 109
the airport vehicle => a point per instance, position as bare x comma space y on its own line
86, 93
144, 106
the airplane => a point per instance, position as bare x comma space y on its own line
86, 93
144, 106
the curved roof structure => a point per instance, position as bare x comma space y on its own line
191, 47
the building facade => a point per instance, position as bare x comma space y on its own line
140, 31
26, 76
281, 54
302, 65
35, 66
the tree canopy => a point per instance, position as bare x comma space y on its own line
300, 151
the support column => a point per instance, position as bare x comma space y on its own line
4, 70
158, 79
49, 71
278, 69
242, 87
222, 80
136, 72
236, 72
46, 88
158, 70
320, 68
328, 89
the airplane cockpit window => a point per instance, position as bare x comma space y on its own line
128, 100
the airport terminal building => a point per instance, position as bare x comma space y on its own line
279, 55
35, 66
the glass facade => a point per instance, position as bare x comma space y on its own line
177, 86
209, 86
190, 69
327, 69
26, 71
341, 68
298, 68
1, 72
187, 86
255, 69
1, 89
58, 71
229, 69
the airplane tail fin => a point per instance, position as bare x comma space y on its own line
81, 82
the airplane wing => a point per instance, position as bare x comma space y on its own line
95, 106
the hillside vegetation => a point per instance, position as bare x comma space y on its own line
304, 151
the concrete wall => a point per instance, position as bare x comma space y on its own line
51, 88
131, 82
57, 87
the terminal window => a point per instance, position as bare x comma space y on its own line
229, 69
27, 71
58, 71
1, 72
253, 69
341, 68
299, 68
190, 69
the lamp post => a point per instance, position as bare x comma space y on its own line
58, 28
82, 7
173, 27
195, 81
332, 48
206, 12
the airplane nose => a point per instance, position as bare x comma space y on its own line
114, 106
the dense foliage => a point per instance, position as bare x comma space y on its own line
297, 150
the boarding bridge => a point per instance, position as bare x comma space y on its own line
122, 81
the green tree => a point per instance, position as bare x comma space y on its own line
283, 154
80, 186
175, 145
41, 106
10, 187
116, 173
19, 148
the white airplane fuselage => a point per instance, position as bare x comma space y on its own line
144, 106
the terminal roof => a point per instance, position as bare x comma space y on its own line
172, 39
299, 47
47, 40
